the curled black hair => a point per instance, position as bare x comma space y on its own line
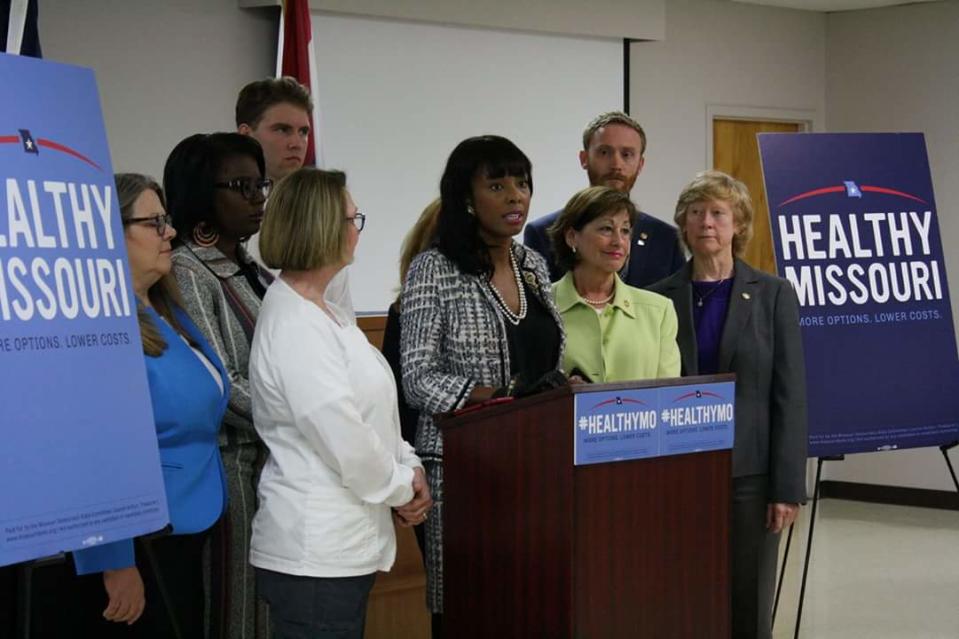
457, 231
191, 170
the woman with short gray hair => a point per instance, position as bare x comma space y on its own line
735, 319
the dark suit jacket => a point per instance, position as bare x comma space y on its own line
391, 352
655, 252
761, 344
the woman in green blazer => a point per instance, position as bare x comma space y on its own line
614, 332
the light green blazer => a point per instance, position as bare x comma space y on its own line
633, 338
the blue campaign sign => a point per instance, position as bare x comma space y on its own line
854, 228
79, 464
652, 422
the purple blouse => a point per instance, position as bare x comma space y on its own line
710, 303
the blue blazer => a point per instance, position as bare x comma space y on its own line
187, 408
655, 252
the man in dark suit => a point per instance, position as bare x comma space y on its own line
613, 155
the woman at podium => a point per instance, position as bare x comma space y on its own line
477, 314
614, 332
735, 319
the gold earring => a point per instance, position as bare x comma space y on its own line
204, 235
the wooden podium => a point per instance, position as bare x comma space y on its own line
538, 547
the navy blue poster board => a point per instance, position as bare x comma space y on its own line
79, 464
855, 229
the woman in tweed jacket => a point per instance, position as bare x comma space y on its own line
477, 316
216, 193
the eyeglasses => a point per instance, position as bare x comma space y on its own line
159, 222
249, 188
358, 220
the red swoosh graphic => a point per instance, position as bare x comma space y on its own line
693, 394
823, 191
613, 401
881, 189
842, 189
56, 146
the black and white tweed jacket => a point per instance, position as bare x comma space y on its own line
453, 337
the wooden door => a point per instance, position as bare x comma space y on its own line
736, 152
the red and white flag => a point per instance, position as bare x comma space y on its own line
295, 57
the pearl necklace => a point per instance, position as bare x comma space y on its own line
591, 301
601, 302
511, 317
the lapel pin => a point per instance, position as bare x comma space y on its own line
745, 296
641, 241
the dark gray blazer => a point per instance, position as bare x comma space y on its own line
761, 344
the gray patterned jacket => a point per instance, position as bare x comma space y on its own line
453, 337
198, 272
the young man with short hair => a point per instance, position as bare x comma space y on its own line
277, 113
613, 155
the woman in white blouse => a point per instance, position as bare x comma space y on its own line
324, 402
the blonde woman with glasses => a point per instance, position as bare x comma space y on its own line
325, 403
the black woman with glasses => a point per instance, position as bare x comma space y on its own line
216, 193
153, 586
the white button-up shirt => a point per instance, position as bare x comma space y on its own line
324, 402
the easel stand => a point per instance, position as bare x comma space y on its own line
945, 453
25, 591
812, 529
25, 583
812, 526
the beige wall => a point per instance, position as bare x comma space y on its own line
640, 19
896, 69
164, 69
168, 69
726, 57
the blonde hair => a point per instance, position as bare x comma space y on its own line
164, 294
420, 237
716, 185
304, 222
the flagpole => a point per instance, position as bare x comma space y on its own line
314, 86
279, 41
18, 20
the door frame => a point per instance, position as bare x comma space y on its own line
810, 120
